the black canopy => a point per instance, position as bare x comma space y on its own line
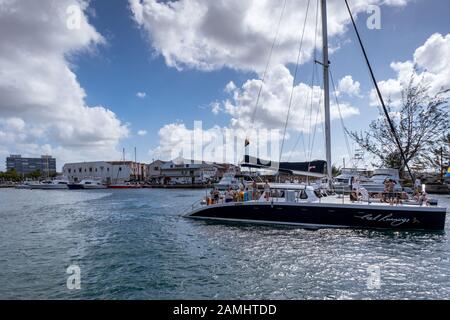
315, 167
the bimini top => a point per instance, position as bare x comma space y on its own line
316, 168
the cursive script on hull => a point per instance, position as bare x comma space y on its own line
389, 218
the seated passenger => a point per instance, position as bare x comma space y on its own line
354, 195
423, 199
215, 195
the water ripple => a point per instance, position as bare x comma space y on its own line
133, 244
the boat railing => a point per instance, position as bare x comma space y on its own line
197, 204
396, 197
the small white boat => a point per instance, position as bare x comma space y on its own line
25, 185
374, 184
51, 185
87, 184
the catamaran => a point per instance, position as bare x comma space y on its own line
305, 206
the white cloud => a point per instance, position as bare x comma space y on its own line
430, 65
271, 115
216, 144
230, 87
41, 96
238, 34
141, 95
142, 133
216, 108
349, 87
272, 110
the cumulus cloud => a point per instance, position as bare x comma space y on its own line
141, 95
272, 109
306, 114
238, 34
216, 144
216, 108
430, 65
42, 99
349, 87
142, 133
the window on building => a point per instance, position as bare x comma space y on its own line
95, 169
120, 168
79, 170
90, 169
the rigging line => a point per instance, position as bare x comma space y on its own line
340, 115
386, 113
295, 78
275, 39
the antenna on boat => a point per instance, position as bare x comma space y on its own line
326, 89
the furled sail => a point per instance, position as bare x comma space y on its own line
316, 168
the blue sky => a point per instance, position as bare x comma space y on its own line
128, 61
126, 65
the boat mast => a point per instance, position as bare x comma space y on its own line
326, 89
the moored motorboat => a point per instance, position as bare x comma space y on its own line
126, 185
374, 184
87, 184
51, 185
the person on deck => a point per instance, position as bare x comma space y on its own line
417, 186
391, 194
229, 195
215, 195
255, 191
267, 191
354, 194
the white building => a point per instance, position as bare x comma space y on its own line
154, 171
182, 171
109, 172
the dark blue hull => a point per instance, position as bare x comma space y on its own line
328, 215
75, 186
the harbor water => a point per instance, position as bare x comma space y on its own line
133, 244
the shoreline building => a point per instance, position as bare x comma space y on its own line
182, 171
154, 171
45, 164
108, 172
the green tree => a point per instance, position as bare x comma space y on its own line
419, 121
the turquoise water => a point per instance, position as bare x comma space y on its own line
132, 244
